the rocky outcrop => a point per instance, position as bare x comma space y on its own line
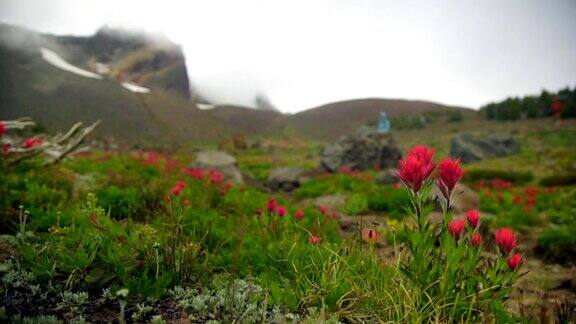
365, 149
221, 161
469, 148
286, 178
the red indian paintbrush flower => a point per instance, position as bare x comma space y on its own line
299, 214
475, 239
2, 129
215, 176
514, 261
505, 239
314, 240
417, 167
450, 173
195, 173
456, 227
473, 217
271, 205
370, 235
323, 210
178, 188
281, 211
424, 154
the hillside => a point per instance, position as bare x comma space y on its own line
248, 120
137, 85
33, 87
342, 117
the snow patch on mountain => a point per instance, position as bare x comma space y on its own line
135, 88
57, 61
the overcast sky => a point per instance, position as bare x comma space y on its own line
302, 53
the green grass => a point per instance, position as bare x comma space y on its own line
108, 221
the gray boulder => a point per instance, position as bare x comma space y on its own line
221, 161
471, 149
365, 149
286, 178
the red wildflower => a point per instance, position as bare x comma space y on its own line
299, 214
456, 227
215, 176
532, 191
225, 188
473, 217
530, 201
450, 173
6, 150
178, 188
424, 155
501, 184
186, 202
514, 261
281, 211
475, 239
32, 142
517, 199
370, 235
151, 158
271, 205
2, 129
195, 173
505, 239
323, 210
170, 165
417, 167
314, 240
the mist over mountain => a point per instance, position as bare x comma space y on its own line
137, 84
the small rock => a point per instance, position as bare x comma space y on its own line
365, 149
469, 148
286, 178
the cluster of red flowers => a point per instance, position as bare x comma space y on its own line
504, 237
32, 142
274, 208
456, 227
214, 176
495, 183
178, 188
418, 166
506, 241
151, 158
